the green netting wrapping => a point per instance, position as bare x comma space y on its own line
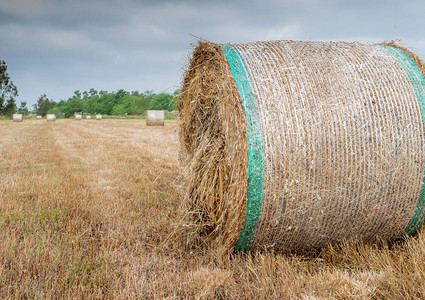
418, 81
254, 149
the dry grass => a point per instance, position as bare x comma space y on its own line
87, 209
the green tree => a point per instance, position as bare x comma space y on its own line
77, 93
118, 110
109, 100
91, 105
8, 92
69, 107
43, 105
92, 92
10, 107
161, 102
138, 105
23, 109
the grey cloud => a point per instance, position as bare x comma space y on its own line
56, 47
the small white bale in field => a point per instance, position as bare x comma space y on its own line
88, 117
98, 117
51, 117
17, 117
155, 118
38, 117
78, 117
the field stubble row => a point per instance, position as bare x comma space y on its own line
89, 209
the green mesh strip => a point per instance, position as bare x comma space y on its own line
418, 82
255, 180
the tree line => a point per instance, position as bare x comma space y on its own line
119, 102
8, 92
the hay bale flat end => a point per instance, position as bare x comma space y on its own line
51, 117
155, 117
17, 117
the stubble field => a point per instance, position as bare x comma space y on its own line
89, 209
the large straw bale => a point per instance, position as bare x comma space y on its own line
155, 118
88, 117
17, 117
78, 117
39, 117
296, 145
98, 117
51, 117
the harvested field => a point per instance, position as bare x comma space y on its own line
87, 210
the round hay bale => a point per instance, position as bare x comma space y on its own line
39, 117
88, 117
51, 117
78, 117
155, 118
98, 117
17, 117
296, 145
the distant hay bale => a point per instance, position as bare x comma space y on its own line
98, 117
17, 117
78, 117
51, 117
296, 145
38, 117
88, 117
155, 118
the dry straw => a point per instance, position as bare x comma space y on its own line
17, 117
51, 117
296, 145
155, 118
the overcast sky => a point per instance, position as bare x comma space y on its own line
59, 46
